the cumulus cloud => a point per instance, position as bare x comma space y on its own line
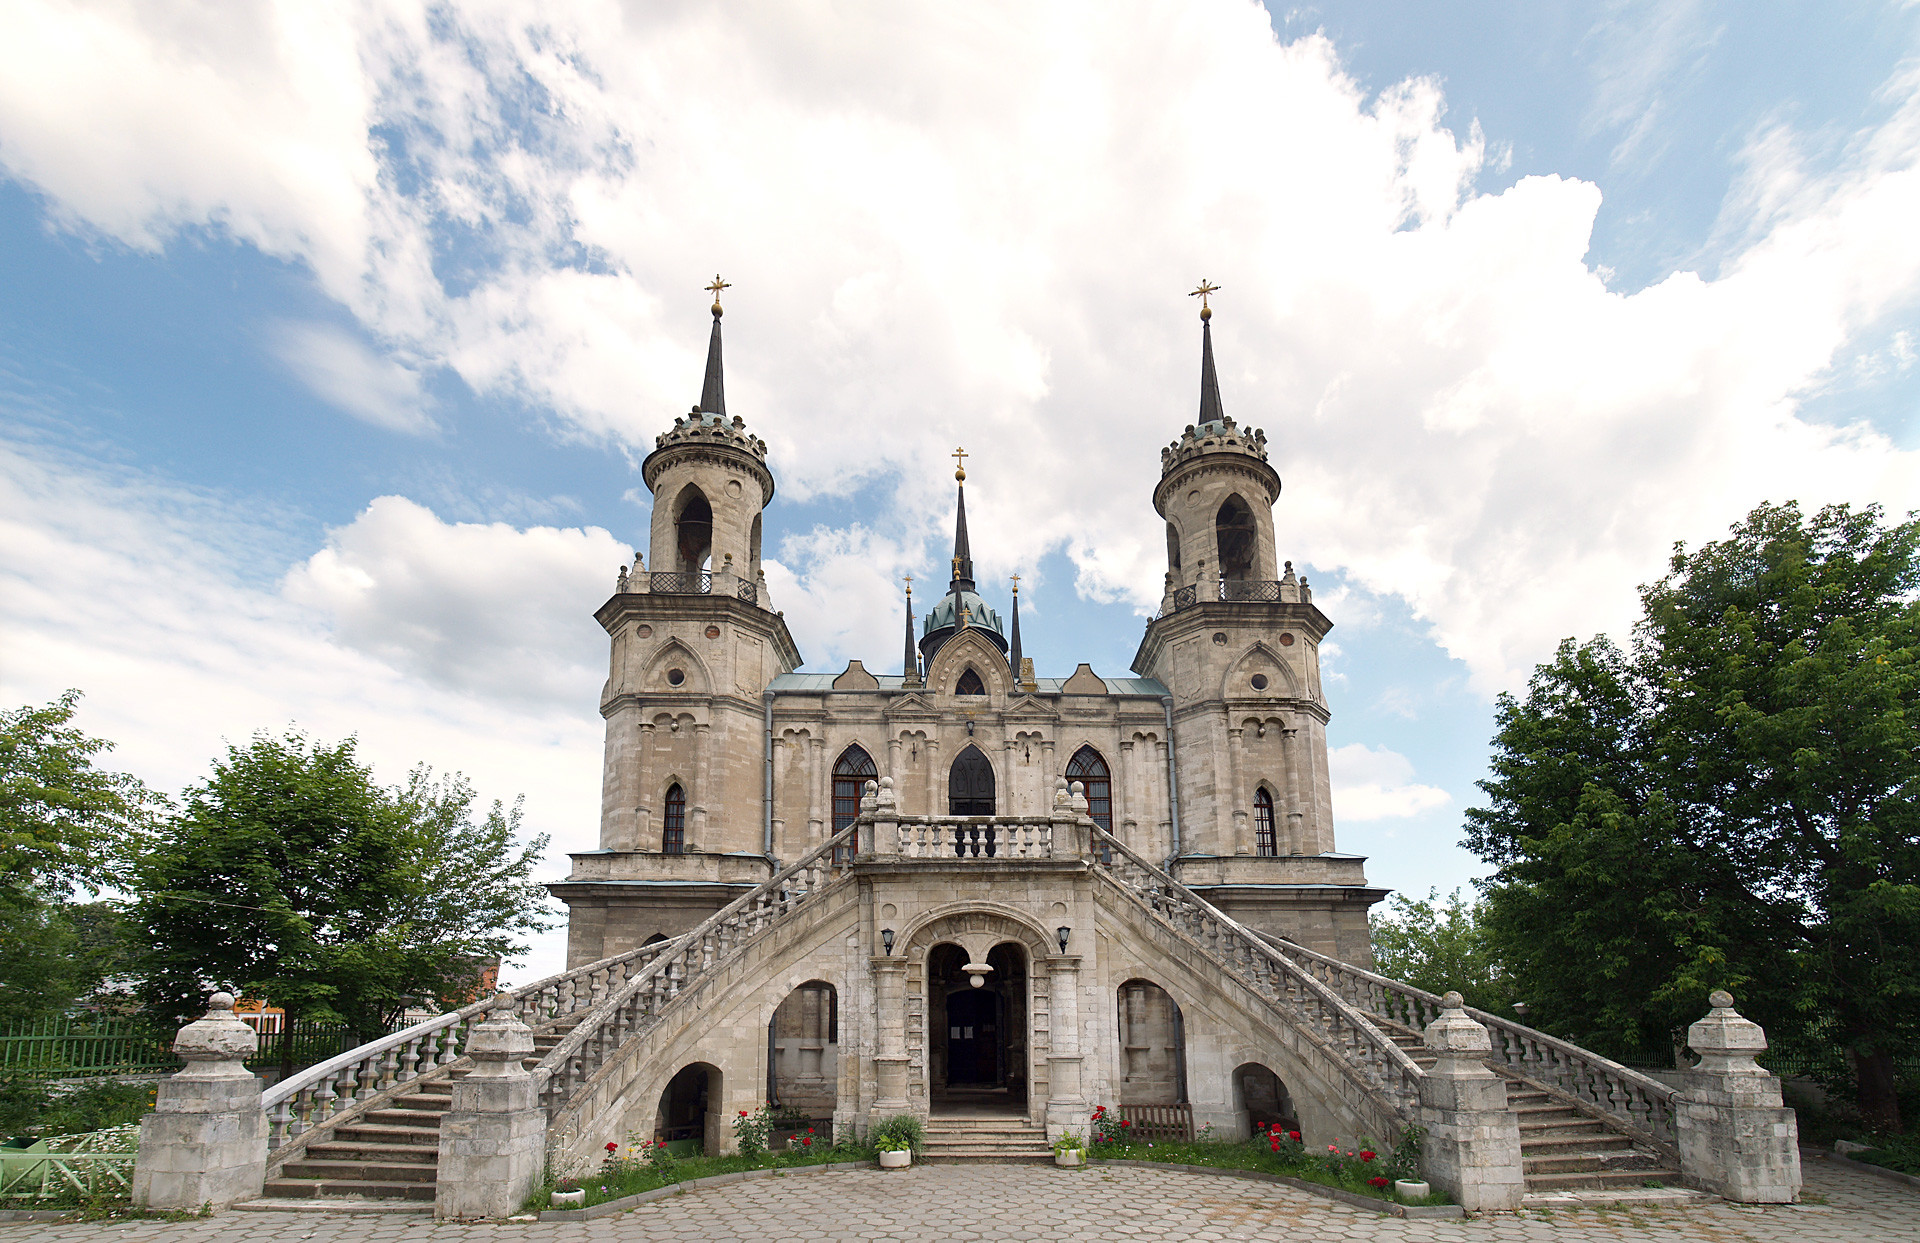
1373, 783
485, 609
345, 373
974, 226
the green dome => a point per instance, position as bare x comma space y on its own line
979, 613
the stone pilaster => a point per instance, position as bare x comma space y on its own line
1736, 1140
1472, 1147
890, 1037
205, 1143
493, 1140
1066, 1101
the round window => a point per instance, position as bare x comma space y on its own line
1286, 640
644, 631
1259, 681
713, 632
676, 676
1220, 638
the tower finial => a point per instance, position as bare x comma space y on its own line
713, 392
1206, 287
715, 289
959, 465
910, 661
962, 549
1013, 656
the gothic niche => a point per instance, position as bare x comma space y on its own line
1263, 1096
803, 1046
970, 785
686, 1118
1153, 1055
977, 1037
1237, 536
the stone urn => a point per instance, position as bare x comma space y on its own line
1070, 1157
1409, 1189
569, 1199
896, 1160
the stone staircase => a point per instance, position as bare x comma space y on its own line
1561, 1148
386, 1154
1000, 1141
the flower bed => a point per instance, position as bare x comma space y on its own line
630, 1170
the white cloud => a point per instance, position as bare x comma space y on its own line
1373, 783
974, 226
347, 374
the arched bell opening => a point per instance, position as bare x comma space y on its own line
688, 1117
1153, 1046
693, 530
1237, 538
977, 1032
803, 1053
1262, 1097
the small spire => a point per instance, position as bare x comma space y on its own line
1013, 657
910, 662
1210, 408
713, 393
962, 551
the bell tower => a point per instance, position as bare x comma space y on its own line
694, 643
1237, 645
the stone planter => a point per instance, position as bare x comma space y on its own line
1406, 1189
569, 1199
1071, 1157
895, 1160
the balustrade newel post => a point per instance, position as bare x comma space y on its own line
493, 1140
1735, 1138
1472, 1146
206, 1140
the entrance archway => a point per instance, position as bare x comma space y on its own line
1260, 1094
686, 1108
977, 1032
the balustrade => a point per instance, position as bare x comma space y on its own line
939, 837
680, 583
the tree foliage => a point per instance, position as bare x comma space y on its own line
291, 875
1735, 803
1441, 947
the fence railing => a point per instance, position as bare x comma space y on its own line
69, 1169
71, 1048
1155, 1123
940, 837
681, 583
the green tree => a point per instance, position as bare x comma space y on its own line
65, 824
1440, 947
293, 876
1733, 805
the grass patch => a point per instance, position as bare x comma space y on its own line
1255, 1155
619, 1179
1900, 1153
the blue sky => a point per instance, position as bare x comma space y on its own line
330, 341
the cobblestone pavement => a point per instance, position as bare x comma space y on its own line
953, 1202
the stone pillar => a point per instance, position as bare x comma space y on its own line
1735, 1138
890, 1035
1066, 1102
617, 795
1473, 1139
206, 1140
780, 846
1242, 838
1296, 836
935, 775
702, 790
816, 781
644, 829
493, 1140
881, 836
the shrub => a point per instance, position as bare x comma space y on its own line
903, 1129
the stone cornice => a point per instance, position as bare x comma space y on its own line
715, 606
1212, 614
720, 453
1222, 461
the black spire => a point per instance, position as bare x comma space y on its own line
910, 663
1210, 409
962, 552
713, 393
1013, 657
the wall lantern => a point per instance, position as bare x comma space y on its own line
1064, 933
886, 940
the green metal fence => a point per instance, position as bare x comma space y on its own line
75, 1048
69, 1169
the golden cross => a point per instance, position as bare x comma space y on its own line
1206, 287
1016, 583
908, 580
959, 466
717, 286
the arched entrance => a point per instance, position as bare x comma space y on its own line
1260, 1094
686, 1119
977, 1053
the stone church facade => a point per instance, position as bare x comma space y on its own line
723, 763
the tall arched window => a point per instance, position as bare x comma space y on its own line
970, 785
1090, 770
1173, 548
851, 772
969, 684
673, 832
1234, 530
1263, 840
693, 528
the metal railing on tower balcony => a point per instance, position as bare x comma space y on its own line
747, 591
1261, 591
1185, 597
681, 583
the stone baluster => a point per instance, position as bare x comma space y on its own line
1735, 1138
493, 1140
206, 1140
1472, 1146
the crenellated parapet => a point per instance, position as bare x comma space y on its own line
1218, 444
702, 435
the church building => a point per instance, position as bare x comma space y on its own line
724, 763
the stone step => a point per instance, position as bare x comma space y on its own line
988, 1157
415, 1132
1588, 1162
1551, 1145
427, 1118
373, 1150
315, 1189
359, 1171
335, 1204
1602, 1180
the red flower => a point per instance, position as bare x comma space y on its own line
1275, 1145
1376, 1182
809, 1130
613, 1148
743, 1113
1124, 1122
1294, 1136
1334, 1149
659, 1143
1367, 1155
807, 1142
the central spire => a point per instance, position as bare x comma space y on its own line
1210, 408
962, 552
713, 393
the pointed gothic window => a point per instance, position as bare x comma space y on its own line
673, 832
1234, 529
1090, 771
970, 785
851, 772
1263, 839
969, 684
